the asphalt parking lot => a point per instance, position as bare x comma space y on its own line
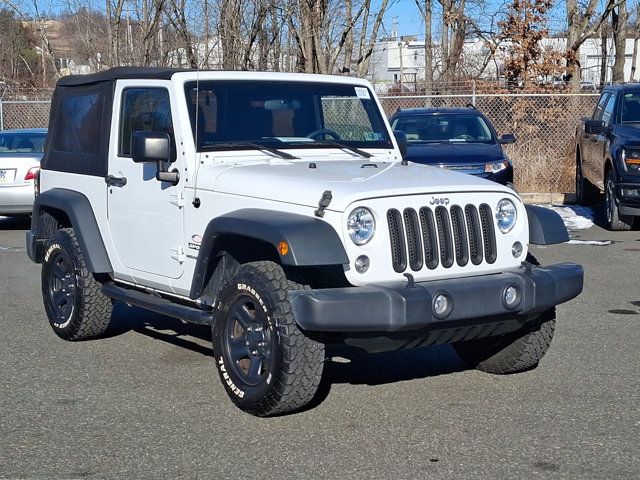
146, 402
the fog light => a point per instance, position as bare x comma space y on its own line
511, 297
442, 305
630, 192
516, 249
362, 264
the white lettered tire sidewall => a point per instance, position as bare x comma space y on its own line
244, 284
86, 312
291, 364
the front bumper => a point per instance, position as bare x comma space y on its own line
628, 195
399, 308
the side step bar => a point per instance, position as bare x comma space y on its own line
157, 304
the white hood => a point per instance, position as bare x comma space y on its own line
349, 181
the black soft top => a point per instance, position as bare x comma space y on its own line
152, 73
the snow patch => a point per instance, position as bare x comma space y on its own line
600, 243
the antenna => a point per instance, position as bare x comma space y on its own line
196, 200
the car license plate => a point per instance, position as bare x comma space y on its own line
7, 175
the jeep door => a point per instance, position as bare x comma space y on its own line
145, 215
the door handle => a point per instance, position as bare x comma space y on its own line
113, 181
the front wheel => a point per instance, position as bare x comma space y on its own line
511, 353
615, 221
266, 364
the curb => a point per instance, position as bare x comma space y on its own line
549, 198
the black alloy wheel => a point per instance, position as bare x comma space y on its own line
73, 300
249, 340
61, 286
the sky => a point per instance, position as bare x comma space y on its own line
409, 20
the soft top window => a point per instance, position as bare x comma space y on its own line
79, 122
78, 134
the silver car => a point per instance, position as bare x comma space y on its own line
20, 155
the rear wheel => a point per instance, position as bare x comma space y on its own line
73, 301
266, 364
586, 193
615, 221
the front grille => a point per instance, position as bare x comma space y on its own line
396, 233
432, 237
444, 236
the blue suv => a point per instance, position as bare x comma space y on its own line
460, 139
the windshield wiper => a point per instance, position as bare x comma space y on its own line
251, 145
331, 143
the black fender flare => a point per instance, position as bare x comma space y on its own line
311, 241
77, 208
545, 226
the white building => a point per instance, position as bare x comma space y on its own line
396, 60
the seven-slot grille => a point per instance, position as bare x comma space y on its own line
431, 237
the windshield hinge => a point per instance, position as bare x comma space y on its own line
178, 199
177, 253
323, 203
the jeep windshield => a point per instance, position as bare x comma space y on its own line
281, 114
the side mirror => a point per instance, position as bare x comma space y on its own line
148, 147
594, 127
401, 138
507, 138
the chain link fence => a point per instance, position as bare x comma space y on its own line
543, 157
544, 124
24, 114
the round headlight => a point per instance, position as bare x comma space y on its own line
361, 225
506, 215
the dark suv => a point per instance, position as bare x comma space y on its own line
460, 139
608, 155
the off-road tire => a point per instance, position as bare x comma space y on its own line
73, 301
267, 366
586, 192
614, 221
511, 353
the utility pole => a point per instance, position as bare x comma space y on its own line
401, 68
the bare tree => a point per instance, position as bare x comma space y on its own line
326, 30
368, 39
619, 27
425, 7
114, 16
176, 11
454, 32
604, 51
582, 23
18, 62
636, 37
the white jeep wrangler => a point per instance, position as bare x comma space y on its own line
277, 208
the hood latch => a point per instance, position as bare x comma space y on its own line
323, 203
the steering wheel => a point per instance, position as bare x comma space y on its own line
464, 137
323, 132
